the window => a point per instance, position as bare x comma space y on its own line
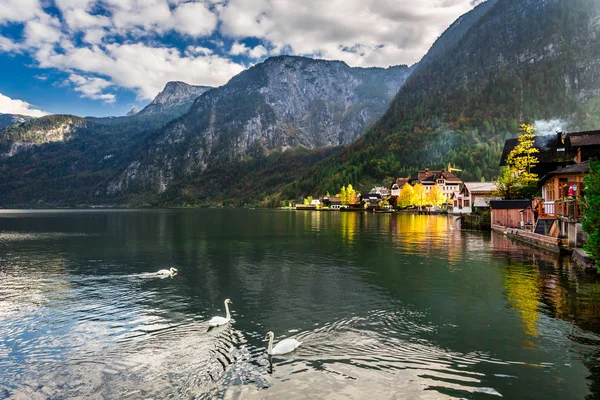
467, 203
440, 181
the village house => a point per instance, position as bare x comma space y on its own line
559, 150
563, 162
445, 180
381, 190
473, 195
560, 187
562, 166
397, 186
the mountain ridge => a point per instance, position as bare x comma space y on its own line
520, 61
283, 102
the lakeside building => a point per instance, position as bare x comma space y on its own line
397, 186
563, 164
445, 180
474, 195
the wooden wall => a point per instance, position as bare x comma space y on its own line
511, 218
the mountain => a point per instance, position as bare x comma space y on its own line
37, 131
62, 159
281, 103
11, 119
174, 95
132, 112
518, 61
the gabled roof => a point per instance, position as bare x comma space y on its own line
402, 181
582, 139
371, 196
476, 187
483, 202
433, 176
575, 169
548, 149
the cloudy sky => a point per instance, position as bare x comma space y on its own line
101, 57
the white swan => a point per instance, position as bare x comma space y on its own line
283, 347
217, 321
171, 271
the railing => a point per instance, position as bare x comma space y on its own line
565, 208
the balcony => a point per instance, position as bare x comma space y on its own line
566, 208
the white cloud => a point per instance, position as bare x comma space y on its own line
19, 10
14, 106
198, 51
8, 45
143, 68
360, 32
124, 40
42, 30
194, 19
241, 49
92, 87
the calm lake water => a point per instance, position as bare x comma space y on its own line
387, 306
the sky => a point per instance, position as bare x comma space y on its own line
102, 57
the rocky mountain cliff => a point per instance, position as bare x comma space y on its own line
32, 132
134, 110
281, 103
174, 95
518, 61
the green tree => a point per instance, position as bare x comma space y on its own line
591, 224
507, 184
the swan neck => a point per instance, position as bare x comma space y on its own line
228, 316
270, 348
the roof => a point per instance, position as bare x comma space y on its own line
402, 181
581, 168
484, 201
475, 187
510, 204
371, 196
433, 176
547, 146
575, 169
581, 139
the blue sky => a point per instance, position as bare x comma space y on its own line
102, 57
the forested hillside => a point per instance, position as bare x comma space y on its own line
521, 61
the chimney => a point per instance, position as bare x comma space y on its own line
559, 138
426, 171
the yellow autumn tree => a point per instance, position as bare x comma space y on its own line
405, 197
419, 197
343, 195
436, 197
350, 194
521, 160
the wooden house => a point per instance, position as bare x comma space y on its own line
561, 190
512, 213
473, 195
559, 150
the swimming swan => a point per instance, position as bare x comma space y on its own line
171, 271
217, 321
283, 347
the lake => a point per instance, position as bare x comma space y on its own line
387, 306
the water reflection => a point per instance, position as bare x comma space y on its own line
383, 303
